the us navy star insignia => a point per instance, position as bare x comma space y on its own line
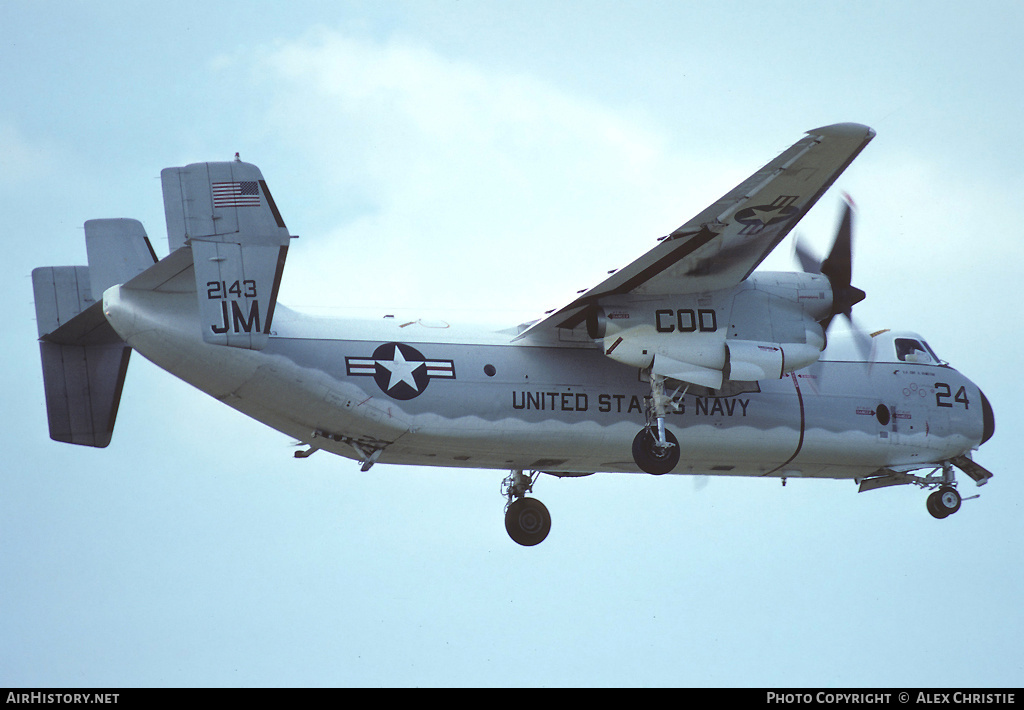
760, 216
400, 370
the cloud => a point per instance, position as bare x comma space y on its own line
438, 183
23, 159
436, 179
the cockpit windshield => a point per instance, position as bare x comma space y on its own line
914, 350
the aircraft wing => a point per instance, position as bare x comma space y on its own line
722, 245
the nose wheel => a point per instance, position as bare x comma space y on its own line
944, 502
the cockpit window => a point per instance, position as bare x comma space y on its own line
910, 350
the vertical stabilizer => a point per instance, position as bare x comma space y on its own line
225, 213
118, 251
84, 361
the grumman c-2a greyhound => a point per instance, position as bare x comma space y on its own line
685, 361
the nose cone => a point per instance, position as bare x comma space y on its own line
988, 419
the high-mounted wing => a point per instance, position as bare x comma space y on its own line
722, 245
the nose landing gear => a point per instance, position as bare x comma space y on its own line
945, 501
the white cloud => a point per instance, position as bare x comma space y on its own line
442, 181
438, 183
21, 158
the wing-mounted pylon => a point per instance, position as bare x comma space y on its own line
690, 309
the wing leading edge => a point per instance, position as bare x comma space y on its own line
722, 245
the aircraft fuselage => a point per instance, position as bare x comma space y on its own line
432, 393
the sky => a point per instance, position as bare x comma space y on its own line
486, 160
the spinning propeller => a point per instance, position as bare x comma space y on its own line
838, 269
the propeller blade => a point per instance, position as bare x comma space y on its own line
808, 262
861, 338
838, 267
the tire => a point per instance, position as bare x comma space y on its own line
527, 521
935, 506
648, 456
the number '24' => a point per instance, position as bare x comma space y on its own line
943, 393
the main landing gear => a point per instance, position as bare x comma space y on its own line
527, 520
655, 448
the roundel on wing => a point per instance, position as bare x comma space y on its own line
762, 216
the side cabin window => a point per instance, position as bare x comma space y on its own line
911, 350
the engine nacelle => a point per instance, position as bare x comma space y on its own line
690, 357
708, 359
707, 338
750, 360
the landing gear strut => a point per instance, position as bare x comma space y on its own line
655, 448
527, 520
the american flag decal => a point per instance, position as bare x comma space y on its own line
236, 194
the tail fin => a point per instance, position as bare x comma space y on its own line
118, 250
225, 213
84, 360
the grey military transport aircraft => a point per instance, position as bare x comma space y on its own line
685, 361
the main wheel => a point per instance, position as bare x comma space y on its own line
652, 458
527, 521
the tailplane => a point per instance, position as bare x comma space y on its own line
228, 243
84, 360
